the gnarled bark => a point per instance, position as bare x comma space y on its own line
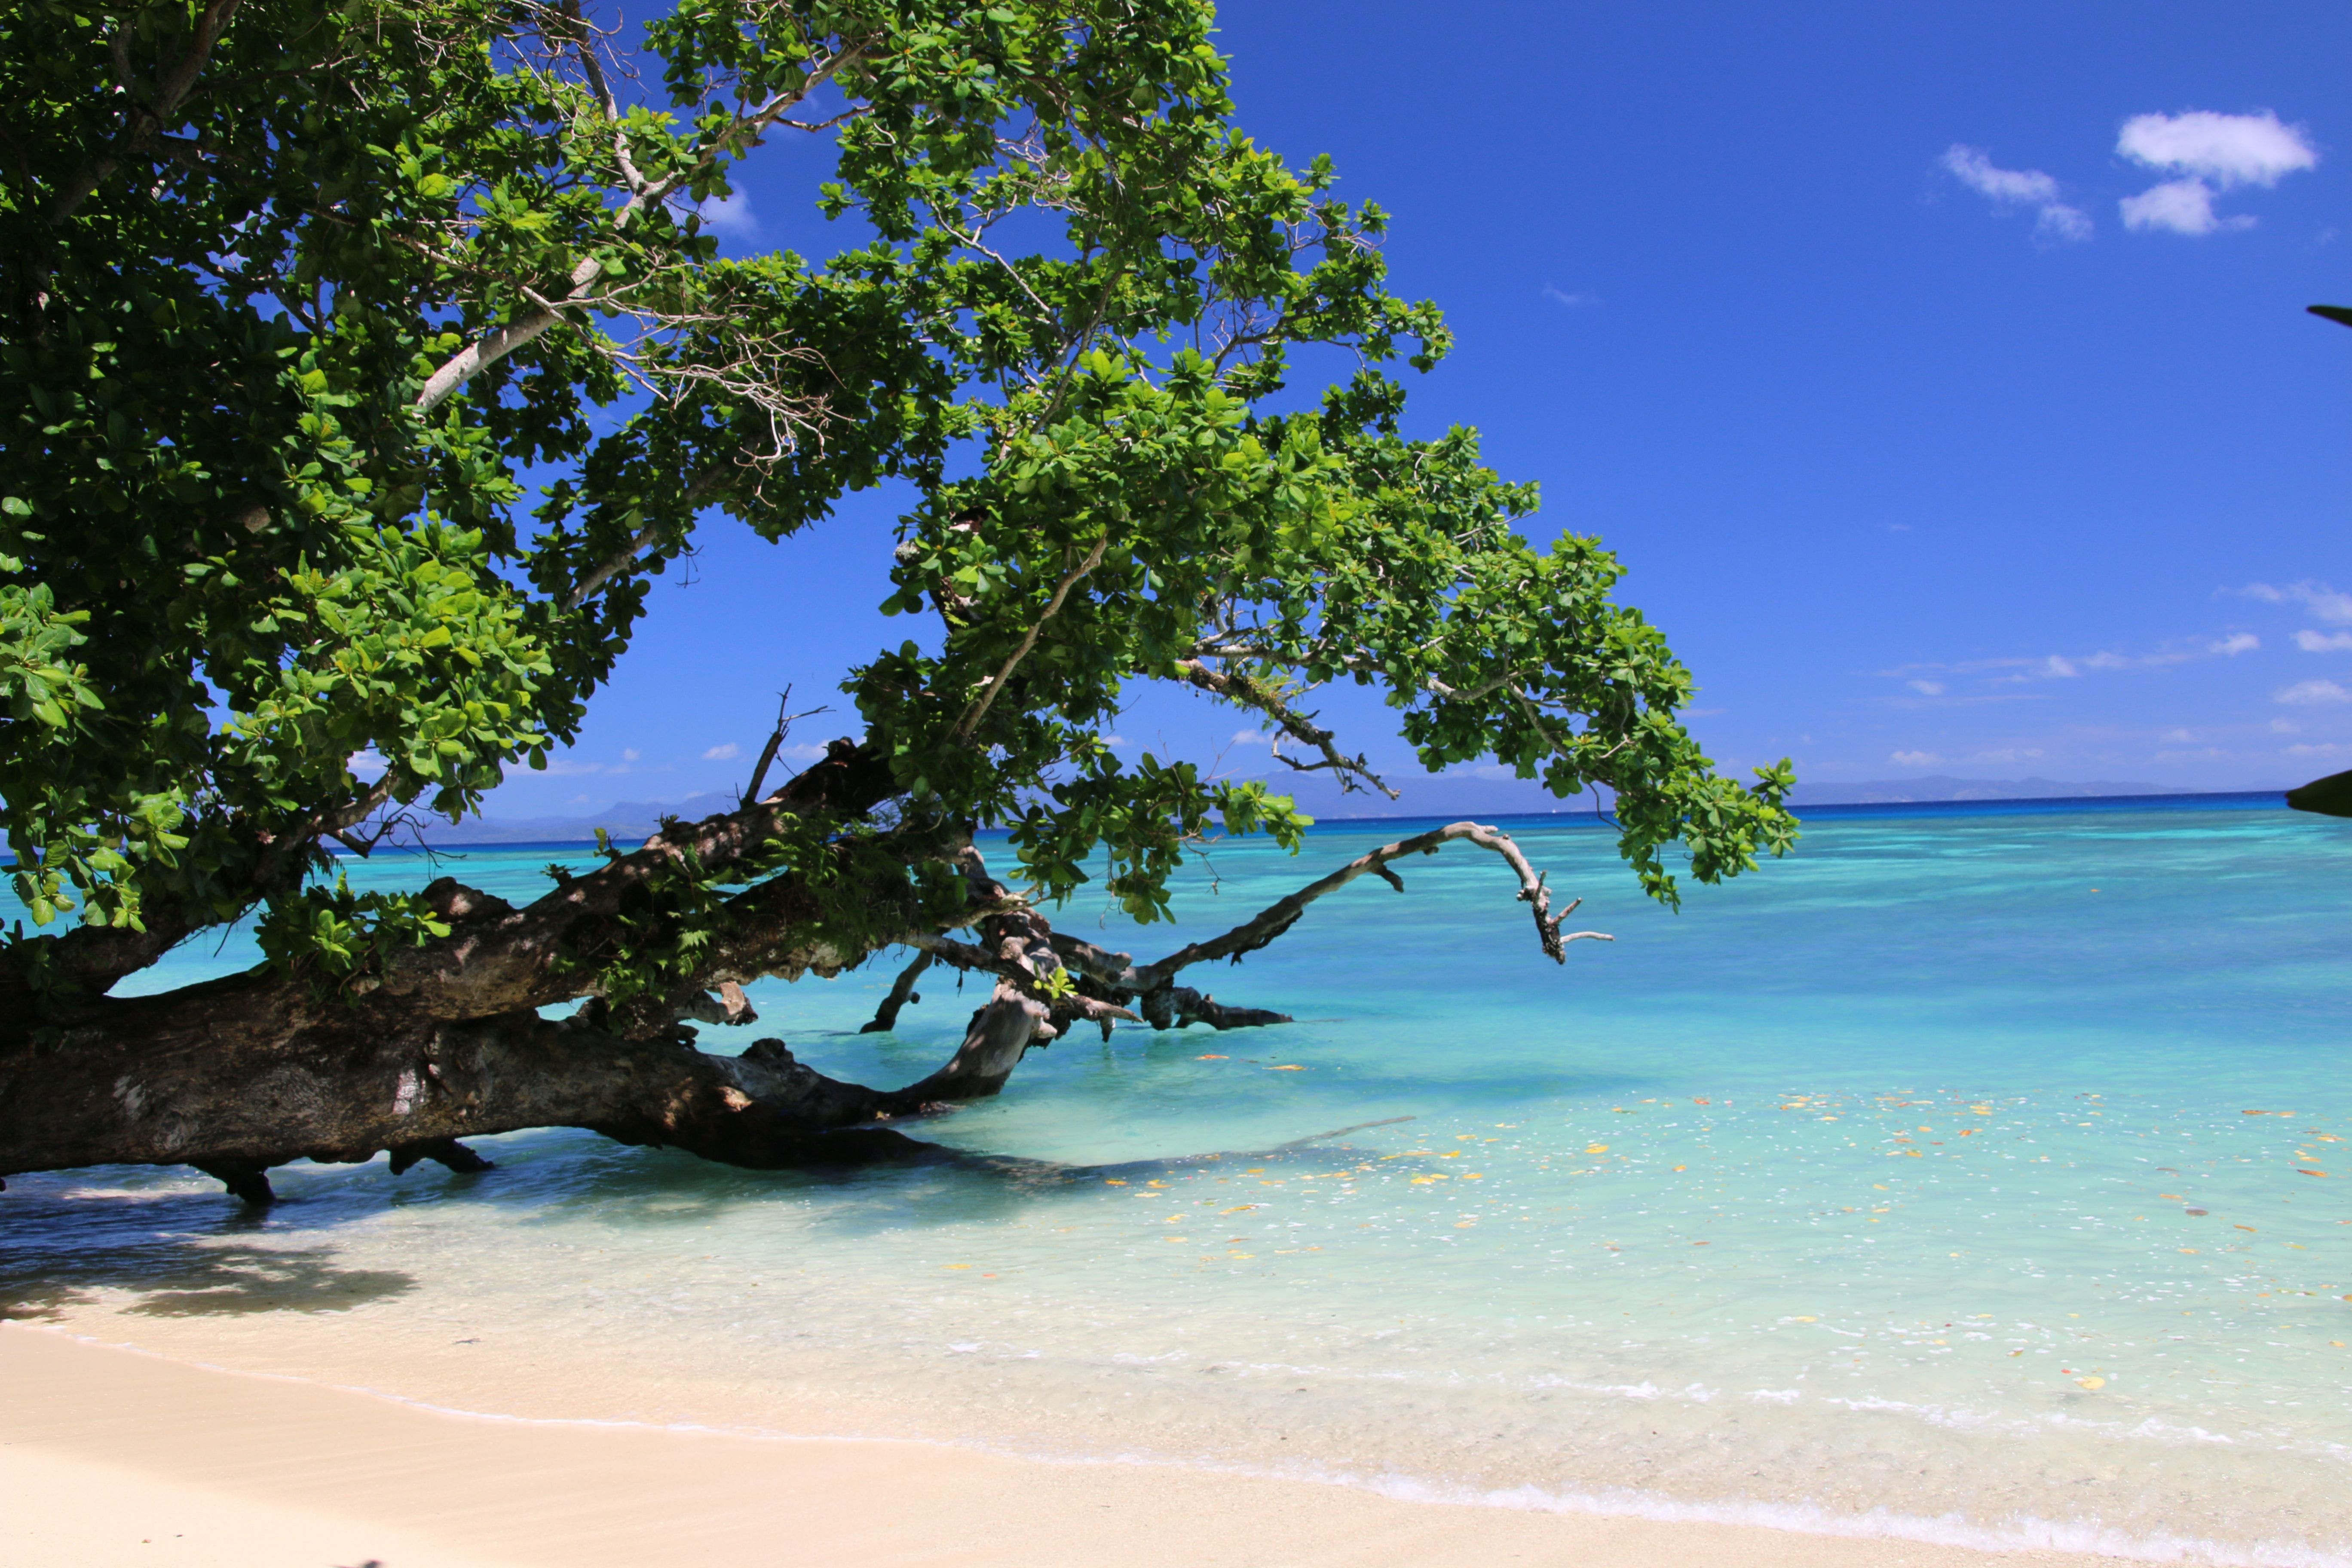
447, 1042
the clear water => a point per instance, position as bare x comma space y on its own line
1977, 1177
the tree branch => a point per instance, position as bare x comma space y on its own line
150, 121
486, 350
1283, 913
1247, 694
988, 695
902, 991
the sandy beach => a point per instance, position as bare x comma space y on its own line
112, 1457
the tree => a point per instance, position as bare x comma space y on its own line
363, 362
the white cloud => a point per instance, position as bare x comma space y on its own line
730, 216
2285, 727
2230, 647
1251, 738
2211, 152
1561, 297
2184, 206
2010, 189
2227, 149
1916, 759
2310, 693
630, 753
2304, 748
2323, 641
2177, 738
2058, 668
1928, 688
2322, 600
2062, 225
727, 752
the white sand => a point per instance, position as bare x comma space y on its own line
111, 1456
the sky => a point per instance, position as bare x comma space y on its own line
1939, 373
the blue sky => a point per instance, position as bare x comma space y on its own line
1940, 372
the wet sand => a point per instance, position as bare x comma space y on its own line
113, 1456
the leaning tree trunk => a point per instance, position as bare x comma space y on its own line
449, 1042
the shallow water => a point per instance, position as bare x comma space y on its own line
1967, 1177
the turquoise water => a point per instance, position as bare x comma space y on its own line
1974, 1178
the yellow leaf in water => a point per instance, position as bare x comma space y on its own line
959, 1266
2175, 1197
1113, 1181
1596, 1148
1213, 1058
1238, 1208
2301, 1171
1809, 1320
1291, 1067
2093, 1384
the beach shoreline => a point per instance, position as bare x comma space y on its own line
118, 1456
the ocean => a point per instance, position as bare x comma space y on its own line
1976, 1174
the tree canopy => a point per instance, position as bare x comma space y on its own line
363, 364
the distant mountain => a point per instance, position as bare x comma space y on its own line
1941, 786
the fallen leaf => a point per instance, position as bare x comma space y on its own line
2301, 1171
1292, 1067
1213, 1058
1113, 1181
2093, 1384
1596, 1148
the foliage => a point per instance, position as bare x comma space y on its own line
362, 362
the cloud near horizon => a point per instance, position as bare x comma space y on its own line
2010, 189
2208, 153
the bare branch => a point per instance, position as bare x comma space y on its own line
1284, 912
989, 693
775, 743
1249, 693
